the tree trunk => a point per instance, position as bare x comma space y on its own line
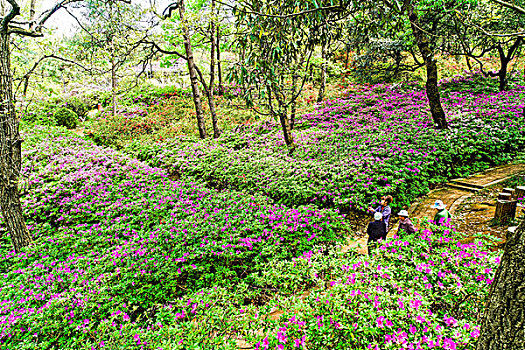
434, 100
469, 65
520, 192
201, 124
31, 12
10, 153
219, 66
505, 210
211, 101
287, 128
502, 74
294, 102
503, 325
322, 88
113, 81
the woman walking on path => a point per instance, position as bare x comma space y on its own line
384, 209
376, 230
442, 216
405, 225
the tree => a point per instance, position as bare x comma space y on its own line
423, 43
262, 17
110, 38
10, 140
487, 29
276, 42
209, 23
503, 325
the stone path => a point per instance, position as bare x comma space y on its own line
457, 190
453, 194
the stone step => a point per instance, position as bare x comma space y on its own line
466, 184
463, 188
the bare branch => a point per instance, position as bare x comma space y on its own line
53, 56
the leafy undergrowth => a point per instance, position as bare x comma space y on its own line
117, 239
378, 140
416, 292
125, 258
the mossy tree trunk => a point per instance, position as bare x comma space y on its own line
10, 152
434, 100
503, 325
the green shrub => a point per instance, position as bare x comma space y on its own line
66, 117
39, 116
80, 105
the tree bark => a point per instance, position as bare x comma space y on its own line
294, 102
201, 124
10, 153
32, 12
211, 101
287, 130
322, 88
113, 79
503, 325
434, 100
504, 60
219, 65
505, 210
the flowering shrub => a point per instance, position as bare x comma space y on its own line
418, 292
378, 140
116, 240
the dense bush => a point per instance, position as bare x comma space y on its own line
81, 105
43, 112
125, 258
379, 140
477, 83
116, 237
422, 291
38, 116
66, 117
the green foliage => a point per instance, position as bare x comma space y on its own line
39, 116
66, 117
353, 150
128, 242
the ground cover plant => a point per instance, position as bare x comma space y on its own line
126, 258
115, 236
417, 292
378, 139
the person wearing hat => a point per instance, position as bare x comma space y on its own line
376, 230
405, 225
442, 215
383, 208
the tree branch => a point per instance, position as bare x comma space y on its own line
289, 15
511, 6
24, 32
15, 11
53, 56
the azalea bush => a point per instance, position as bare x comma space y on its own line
125, 257
421, 291
115, 237
377, 140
